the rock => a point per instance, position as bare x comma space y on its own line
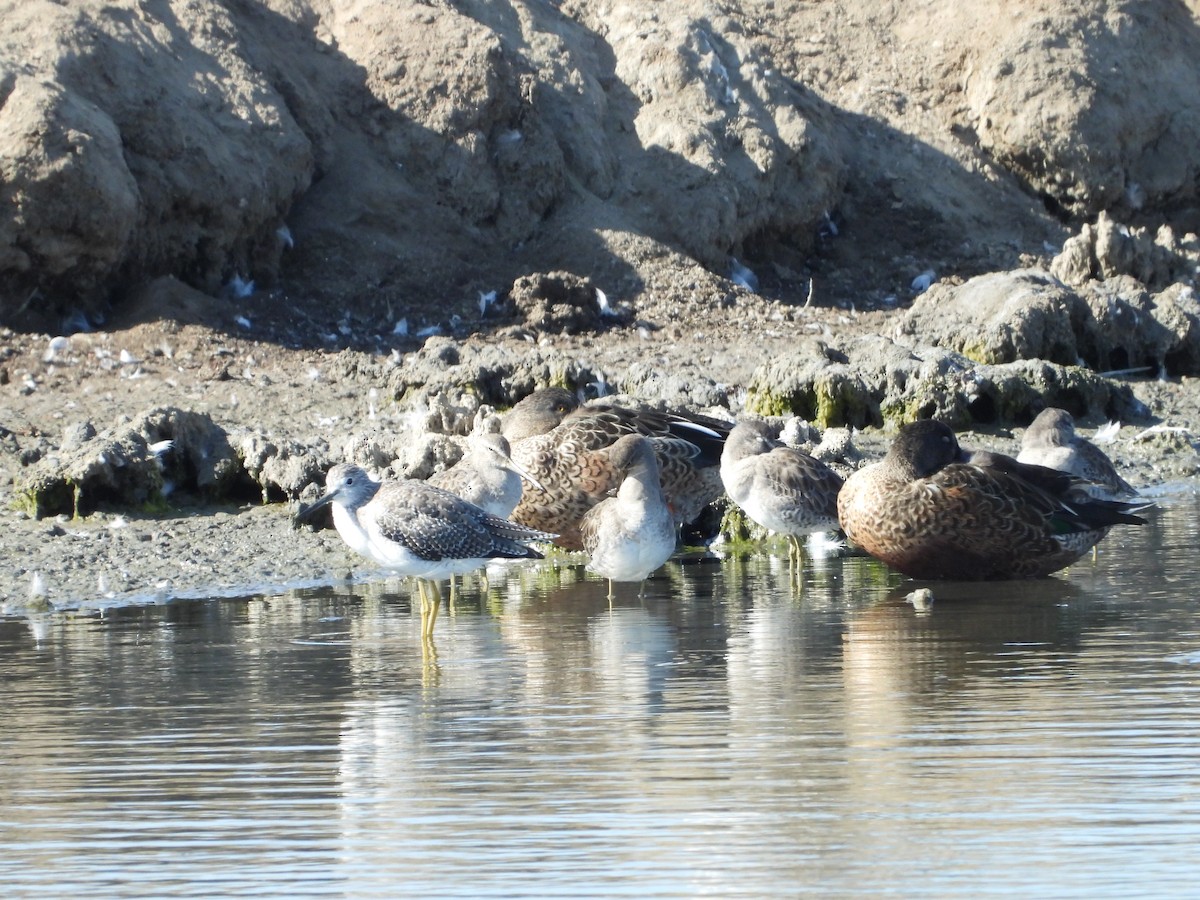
888, 382
281, 470
200, 458
1001, 317
648, 381
560, 302
1089, 104
70, 200
1110, 325
128, 467
114, 468
132, 147
1138, 330
485, 372
1108, 249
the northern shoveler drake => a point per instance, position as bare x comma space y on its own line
931, 510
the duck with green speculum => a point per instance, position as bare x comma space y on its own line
932, 510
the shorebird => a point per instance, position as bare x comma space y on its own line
416, 529
566, 448
781, 488
931, 510
486, 475
631, 534
1051, 441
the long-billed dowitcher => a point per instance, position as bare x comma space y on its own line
781, 488
631, 534
931, 510
486, 475
1051, 441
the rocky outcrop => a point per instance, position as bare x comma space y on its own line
875, 381
132, 465
1110, 325
405, 159
1108, 249
136, 144
1090, 104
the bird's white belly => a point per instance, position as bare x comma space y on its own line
366, 540
632, 552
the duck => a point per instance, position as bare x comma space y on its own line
931, 510
566, 447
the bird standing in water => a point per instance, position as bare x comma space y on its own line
416, 529
487, 477
566, 448
631, 534
781, 488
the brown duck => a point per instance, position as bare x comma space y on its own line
567, 449
931, 510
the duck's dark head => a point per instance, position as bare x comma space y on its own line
923, 448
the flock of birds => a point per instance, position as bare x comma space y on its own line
617, 483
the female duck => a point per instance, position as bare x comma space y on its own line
931, 510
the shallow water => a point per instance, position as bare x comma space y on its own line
722, 737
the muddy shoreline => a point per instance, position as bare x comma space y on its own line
305, 409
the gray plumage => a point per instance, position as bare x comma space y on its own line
779, 487
1051, 441
414, 528
417, 529
486, 475
629, 535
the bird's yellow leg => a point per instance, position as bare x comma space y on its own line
426, 599
795, 562
431, 614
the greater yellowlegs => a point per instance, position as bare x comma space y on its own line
931, 510
413, 528
629, 535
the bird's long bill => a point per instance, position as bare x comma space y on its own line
306, 512
523, 472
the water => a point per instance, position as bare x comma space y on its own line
721, 738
